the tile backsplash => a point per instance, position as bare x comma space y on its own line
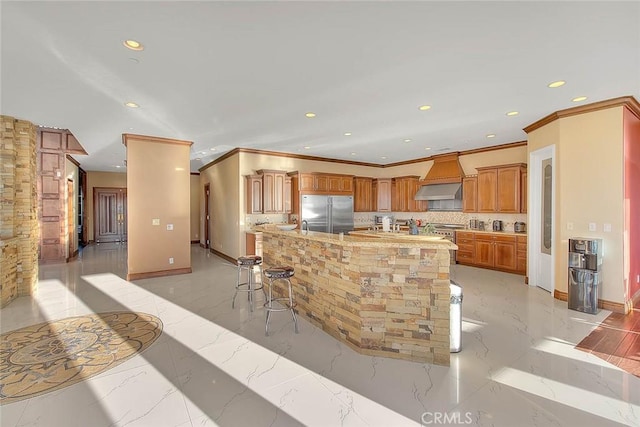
364, 219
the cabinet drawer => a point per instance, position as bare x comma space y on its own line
464, 256
465, 246
487, 237
464, 235
461, 241
522, 246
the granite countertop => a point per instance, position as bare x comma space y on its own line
501, 233
364, 238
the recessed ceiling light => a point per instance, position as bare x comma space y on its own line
353, 154
198, 158
407, 140
512, 113
427, 148
310, 115
347, 134
383, 157
579, 99
118, 166
133, 45
424, 107
556, 84
306, 147
491, 135
212, 149
131, 104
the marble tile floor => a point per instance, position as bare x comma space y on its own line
213, 366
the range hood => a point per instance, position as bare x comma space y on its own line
443, 181
440, 192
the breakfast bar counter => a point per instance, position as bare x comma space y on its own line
384, 297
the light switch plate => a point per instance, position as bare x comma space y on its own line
169, 227
155, 221
592, 226
607, 228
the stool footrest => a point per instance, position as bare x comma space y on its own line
284, 301
254, 287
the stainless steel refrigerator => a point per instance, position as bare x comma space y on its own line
329, 214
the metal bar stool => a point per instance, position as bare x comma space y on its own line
274, 274
248, 263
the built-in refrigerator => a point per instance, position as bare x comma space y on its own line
585, 275
329, 214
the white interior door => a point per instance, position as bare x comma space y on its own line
541, 218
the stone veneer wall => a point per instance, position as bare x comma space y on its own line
382, 301
18, 212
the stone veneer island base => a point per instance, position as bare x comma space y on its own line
383, 297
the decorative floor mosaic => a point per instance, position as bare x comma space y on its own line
48, 356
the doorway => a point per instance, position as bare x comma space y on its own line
206, 216
542, 218
110, 214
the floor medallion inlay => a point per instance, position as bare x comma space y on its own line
48, 356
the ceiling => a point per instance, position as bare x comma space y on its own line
243, 74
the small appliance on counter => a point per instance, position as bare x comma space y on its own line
473, 224
520, 227
481, 225
497, 225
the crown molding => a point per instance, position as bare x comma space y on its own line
146, 138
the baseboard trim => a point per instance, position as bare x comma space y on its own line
221, 255
616, 307
193, 242
203, 246
161, 273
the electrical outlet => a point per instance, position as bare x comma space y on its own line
171, 260
155, 221
169, 227
607, 228
592, 226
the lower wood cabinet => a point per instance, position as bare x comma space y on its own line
492, 250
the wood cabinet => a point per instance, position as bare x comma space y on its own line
254, 194
523, 192
323, 183
382, 195
288, 194
406, 188
470, 194
272, 191
492, 250
363, 194
253, 244
500, 187
521, 254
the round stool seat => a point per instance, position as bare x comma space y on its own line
249, 260
279, 273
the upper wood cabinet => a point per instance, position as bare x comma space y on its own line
470, 194
406, 188
382, 194
500, 187
254, 194
363, 194
272, 191
523, 192
288, 195
325, 183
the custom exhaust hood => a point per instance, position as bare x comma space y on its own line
443, 181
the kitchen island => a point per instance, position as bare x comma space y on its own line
384, 297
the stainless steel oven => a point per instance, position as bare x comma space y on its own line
448, 231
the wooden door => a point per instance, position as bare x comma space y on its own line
487, 182
484, 253
110, 214
508, 185
470, 194
382, 195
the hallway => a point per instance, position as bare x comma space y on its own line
214, 366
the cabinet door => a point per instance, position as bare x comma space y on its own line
382, 195
334, 183
307, 182
278, 192
505, 255
470, 194
346, 184
508, 184
487, 182
484, 254
363, 194
288, 196
523, 192
321, 182
254, 194
416, 205
268, 187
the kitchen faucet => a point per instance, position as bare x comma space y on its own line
304, 225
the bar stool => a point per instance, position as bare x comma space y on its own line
274, 274
248, 263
